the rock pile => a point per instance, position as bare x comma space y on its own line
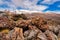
19, 27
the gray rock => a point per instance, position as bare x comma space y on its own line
41, 36
50, 35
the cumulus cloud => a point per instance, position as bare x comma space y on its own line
28, 4
25, 4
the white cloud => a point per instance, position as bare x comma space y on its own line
26, 4
39, 8
1, 1
10, 4
49, 1
58, 12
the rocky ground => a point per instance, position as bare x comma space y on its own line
20, 27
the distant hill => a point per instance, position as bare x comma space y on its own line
52, 16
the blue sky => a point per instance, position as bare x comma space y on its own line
34, 5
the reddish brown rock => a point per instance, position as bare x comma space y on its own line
23, 23
40, 23
6, 23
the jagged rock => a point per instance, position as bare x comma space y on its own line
16, 34
34, 34
41, 36
50, 35
40, 23
59, 35
54, 28
31, 33
3, 36
6, 23
23, 24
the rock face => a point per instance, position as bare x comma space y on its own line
19, 27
